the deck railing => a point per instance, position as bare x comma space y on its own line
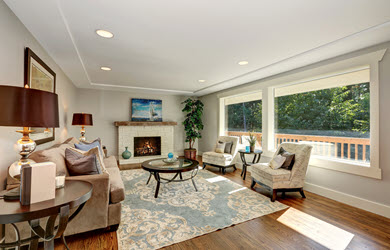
340, 147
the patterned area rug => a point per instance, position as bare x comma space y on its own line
180, 213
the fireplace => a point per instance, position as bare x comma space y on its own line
145, 146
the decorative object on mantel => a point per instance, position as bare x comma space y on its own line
25, 107
82, 119
146, 110
128, 123
126, 154
192, 125
37, 75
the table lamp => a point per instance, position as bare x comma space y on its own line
82, 119
25, 107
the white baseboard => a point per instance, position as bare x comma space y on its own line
351, 200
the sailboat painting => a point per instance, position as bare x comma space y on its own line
146, 110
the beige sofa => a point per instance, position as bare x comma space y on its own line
103, 210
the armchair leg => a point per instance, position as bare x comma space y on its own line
302, 193
273, 198
204, 165
253, 183
234, 166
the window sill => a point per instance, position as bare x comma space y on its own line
350, 167
356, 168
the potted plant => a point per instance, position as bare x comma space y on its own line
192, 125
252, 141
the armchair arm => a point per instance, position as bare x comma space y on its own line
94, 215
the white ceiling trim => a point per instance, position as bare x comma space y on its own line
365, 38
303, 59
143, 89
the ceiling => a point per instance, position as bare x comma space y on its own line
167, 46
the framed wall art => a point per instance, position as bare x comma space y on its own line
37, 75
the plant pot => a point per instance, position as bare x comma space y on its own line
190, 153
252, 149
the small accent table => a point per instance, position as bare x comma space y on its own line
158, 166
74, 194
257, 155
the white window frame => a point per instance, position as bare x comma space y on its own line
371, 169
334, 67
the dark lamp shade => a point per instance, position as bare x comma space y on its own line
82, 119
25, 107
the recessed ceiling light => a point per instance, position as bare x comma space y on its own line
105, 68
201, 81
104, 33
243, 63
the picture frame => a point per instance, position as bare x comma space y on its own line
37, 75
146, 110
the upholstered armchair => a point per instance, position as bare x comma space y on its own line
222, 160
284, 180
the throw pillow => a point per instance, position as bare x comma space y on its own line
220, 147
79, 164
54, 154
290, 157
228, 147
85, 146
277, 162
96, 152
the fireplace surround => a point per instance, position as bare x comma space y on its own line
128, 131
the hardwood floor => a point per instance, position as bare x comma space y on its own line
371, 231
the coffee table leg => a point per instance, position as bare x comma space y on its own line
157, 177
193, 182
150, 175
181, 177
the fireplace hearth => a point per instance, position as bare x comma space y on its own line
146, 146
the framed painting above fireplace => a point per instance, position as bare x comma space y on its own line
146, 110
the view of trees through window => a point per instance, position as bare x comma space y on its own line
244, 117
336, 121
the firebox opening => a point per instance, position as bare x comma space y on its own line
145, 146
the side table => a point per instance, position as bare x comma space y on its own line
74, 194
257, 155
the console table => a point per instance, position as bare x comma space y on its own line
74, 194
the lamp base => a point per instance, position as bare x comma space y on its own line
82, 132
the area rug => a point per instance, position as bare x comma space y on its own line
180, 213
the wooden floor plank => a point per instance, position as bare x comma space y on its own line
371, 231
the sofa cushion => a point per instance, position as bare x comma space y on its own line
110, 162
78, 164
55, 154
117, 189
96, 152
217, 158
85, 146
262, 170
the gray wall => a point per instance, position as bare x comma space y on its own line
363, 187
15, 37
110, 106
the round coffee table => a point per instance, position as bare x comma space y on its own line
73, 194
158, 166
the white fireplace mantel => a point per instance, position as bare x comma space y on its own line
128, 130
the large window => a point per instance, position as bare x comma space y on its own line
332, 114
243, 114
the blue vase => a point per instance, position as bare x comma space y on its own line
126, 154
